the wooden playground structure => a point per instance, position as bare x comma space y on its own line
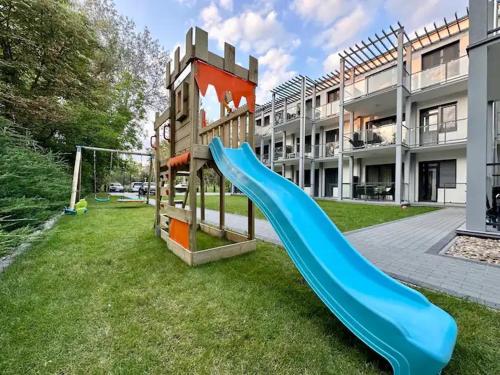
184, 126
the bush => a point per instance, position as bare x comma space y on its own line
34, 184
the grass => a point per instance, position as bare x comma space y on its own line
101, 294
347, 216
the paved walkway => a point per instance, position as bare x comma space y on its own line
408, 250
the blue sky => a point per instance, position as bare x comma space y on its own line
288, 37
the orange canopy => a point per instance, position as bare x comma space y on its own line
179, 160
223, 82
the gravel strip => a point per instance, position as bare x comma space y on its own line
478, 249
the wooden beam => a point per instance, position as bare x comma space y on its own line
201, 44
229, 58
162, 118
176, 213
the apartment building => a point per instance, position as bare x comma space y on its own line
391, 125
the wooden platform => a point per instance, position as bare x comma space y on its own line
194, 258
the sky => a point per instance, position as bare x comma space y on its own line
288, 37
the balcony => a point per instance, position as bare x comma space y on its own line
439, 134
263, 131
441, 74
374, 137
326, 111
326, 150
371, 84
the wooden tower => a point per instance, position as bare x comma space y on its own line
184, 125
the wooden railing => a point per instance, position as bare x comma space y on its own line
233, 129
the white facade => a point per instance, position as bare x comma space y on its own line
404, 132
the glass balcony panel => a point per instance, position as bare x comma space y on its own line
327, 110
439, 74
292, 112
355, 90
382, 80
381, 136
442, 133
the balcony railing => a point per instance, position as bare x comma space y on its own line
263, 131
439, 134
443, 73
326, 150
371, 84
374, 137
327, 110
292, 112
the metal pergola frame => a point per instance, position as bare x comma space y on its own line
381, 49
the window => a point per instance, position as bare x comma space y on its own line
445, 116
333, 96
267, 120
332, 135
258, 122
447, 174
440, 56
318, 101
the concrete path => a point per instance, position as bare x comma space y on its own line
408, 250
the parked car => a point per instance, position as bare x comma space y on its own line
134, 186
181, 188
116, 187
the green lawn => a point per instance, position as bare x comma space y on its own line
101, 294
347, 216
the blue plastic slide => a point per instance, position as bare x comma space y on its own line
399, 323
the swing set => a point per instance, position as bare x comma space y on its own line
98, 197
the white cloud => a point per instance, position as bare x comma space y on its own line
226, 4
251, 30
332, 62
188, 3
345, 30
415, 14
276, 69
323, 11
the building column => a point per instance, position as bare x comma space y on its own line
313, 144
283, 155
479, 113
302, 132
399, 119
341, 130
272, 121
321, 180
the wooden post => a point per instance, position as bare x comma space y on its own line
222, 203
157, 193
76, 174
202, 194
194, 102
157, 162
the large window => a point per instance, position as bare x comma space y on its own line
440, 56
267, 120
441, 118
318, 101
333, 96
447, 174
380, 174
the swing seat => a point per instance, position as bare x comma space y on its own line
102, 199
131, 200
